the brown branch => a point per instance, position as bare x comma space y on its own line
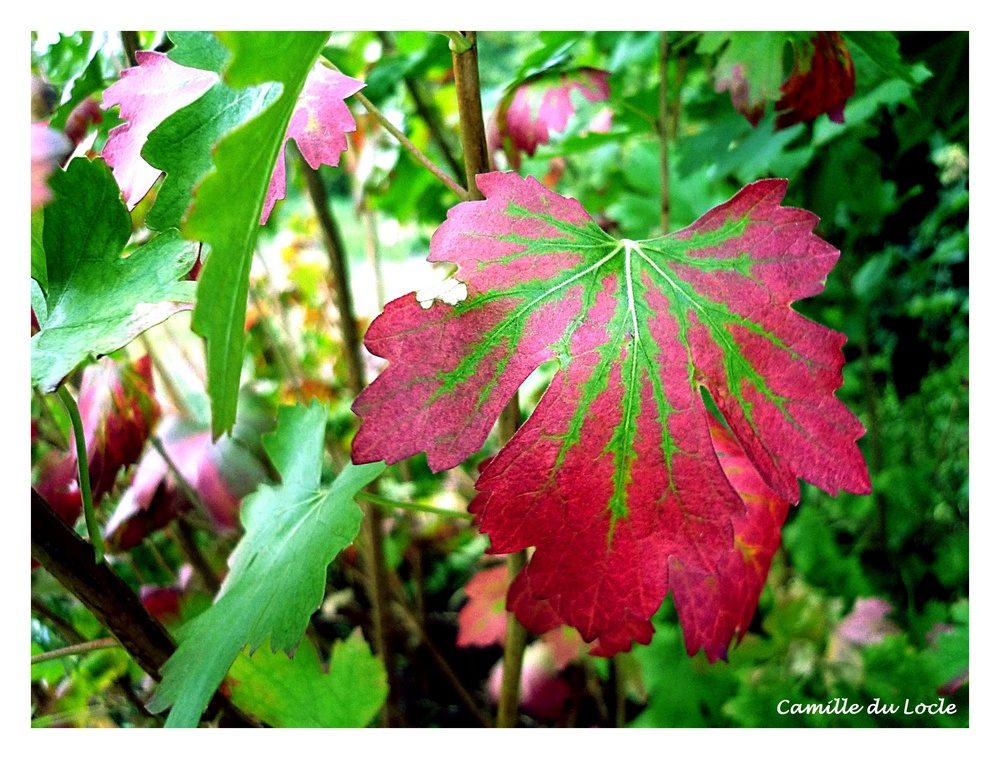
70, 560
470, 115
130, 43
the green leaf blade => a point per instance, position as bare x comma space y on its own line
278, 570
228, 202
85, 230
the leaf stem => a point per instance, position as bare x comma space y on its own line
77, 648
663, 129
412, 149
424, 508
93, 528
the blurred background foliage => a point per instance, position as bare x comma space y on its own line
867, 598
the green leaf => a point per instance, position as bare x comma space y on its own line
96, 301
277, 571
883, 49
182, 145
295, 692
38, 271
228, 203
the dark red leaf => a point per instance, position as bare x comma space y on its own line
820, 84
119, 411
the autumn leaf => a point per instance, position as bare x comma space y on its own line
118, 410
319, 126
614, 479
483, 620
147, 94
277, 571
527, 114
821, 82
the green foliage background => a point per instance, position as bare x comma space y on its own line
890, 186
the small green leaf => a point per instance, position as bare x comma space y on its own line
883, 49
96, 301
228, 203
295, 692
277, 572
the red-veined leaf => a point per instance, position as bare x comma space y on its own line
614, 478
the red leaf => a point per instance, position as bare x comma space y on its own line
57, 483
819, 86
483, 620
615, 478
536, 108
118, 410
319, 126
220, 473
148, 94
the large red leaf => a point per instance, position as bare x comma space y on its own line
118, 410
615, 478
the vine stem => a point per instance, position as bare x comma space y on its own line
391, 504
663, 128
412, 149
93, 529
77, 648
477, 161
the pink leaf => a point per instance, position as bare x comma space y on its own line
319, 126
147, 94
538, 108
483, 620
48, 147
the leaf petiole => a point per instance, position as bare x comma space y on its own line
93, 529
391, 504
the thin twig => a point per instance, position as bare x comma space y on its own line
663, 129
412, 149
77, 648
463, 695
426, 111
374, 537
